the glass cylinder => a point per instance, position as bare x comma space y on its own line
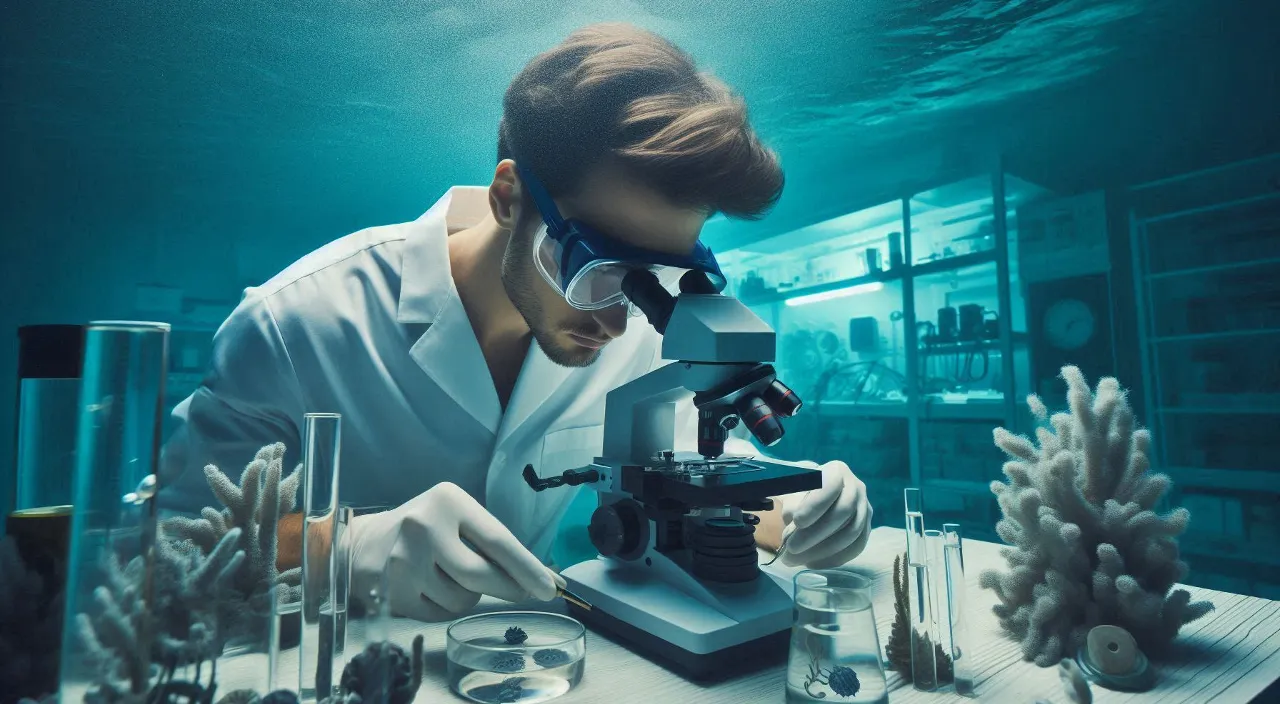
835, 650
50, 359
924, 668
953, 557
322, 448
110, 570
940, 632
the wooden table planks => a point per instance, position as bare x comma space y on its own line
1229, 656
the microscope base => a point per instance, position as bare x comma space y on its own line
769, 650
692, 638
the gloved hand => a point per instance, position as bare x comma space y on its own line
826, 527
442, 551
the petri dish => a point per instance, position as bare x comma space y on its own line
515, 656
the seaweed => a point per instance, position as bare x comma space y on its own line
898, 648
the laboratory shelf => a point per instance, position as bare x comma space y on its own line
1245, 480
1225, 334
1223, 410
780, 295
1211, 209
1216, 268
1252, 553
954, 263
959, 486
860, 409
941, 348
1206, 273
993, 410
938, 266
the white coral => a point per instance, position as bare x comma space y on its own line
125, 633
253, 508
1087, 547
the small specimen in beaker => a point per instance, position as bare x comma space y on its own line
507, 662
834, 646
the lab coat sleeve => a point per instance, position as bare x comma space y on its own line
249, 398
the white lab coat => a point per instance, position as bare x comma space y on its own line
371, 326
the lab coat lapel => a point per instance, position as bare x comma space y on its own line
450, 354
539, 379
448, 351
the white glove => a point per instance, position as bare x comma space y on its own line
826, 527
442, 551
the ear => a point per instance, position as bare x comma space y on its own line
506, 195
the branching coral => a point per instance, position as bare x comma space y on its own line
1087, 545
211, 582
30, 626
124, 635
253, 508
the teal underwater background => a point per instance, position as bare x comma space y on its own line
160, 157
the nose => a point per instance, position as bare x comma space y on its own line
613, 320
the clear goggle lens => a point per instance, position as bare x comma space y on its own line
598, 284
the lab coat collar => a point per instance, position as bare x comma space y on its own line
448, 350
426, 282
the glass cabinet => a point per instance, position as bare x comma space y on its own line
898, 326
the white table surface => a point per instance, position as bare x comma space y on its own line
1229, 656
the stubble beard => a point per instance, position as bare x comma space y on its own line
518, 280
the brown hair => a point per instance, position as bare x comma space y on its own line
613, 92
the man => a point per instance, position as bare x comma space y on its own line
458, 348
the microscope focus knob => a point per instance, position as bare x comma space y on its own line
619, 530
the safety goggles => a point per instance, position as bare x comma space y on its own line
587, 267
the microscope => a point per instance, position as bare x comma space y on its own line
678, 575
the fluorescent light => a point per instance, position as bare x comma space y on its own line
869, 287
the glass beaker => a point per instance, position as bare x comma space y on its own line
110, 569
835, 650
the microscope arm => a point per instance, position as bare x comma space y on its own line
641, 416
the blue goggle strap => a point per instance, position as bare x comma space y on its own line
573, 235
542, 199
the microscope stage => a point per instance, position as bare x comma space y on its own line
718, 482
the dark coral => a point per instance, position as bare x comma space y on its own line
384, 670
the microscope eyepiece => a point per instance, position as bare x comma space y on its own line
760, 419
643, 289
695, 281
782, 399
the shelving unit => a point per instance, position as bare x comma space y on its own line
902, 411
1207, 276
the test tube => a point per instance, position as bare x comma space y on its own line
924, 666
953, 554
941, 633
341, 585
322, 445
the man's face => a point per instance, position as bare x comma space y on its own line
618, 206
